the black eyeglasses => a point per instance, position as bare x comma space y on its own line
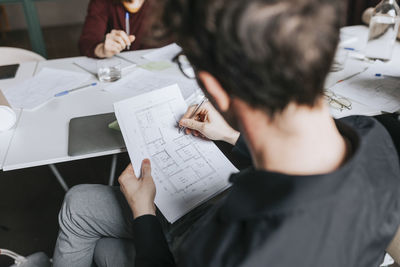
184, 65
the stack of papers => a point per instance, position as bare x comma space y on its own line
166, 53
34, 92
157, 60
142, 81
187, 170
347, 39
378, 93
90, 64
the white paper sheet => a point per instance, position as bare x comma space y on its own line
142, 81
379, 93
90, 64
128, 56
34, 92
387, 261
347, 39
166, 53
351, 67
186, 170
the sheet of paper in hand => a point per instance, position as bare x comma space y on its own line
187, 170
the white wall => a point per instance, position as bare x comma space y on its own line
51, 13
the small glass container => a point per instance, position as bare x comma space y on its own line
109, 70
383, 29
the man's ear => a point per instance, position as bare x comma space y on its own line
215, 89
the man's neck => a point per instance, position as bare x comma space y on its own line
299, 141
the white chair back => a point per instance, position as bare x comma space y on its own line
13, 55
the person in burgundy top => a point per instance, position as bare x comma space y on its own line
104, 32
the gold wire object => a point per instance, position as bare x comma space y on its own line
337, 102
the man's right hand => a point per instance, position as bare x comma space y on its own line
115, 42
208, 123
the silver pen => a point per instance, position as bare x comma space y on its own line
66, 92
203, 100
351, 76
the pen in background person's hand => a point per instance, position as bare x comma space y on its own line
127, 27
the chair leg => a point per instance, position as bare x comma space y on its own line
112, 171
1, 18
34, 29
6, 22
64, 185
3, 21
58, 176
5, 18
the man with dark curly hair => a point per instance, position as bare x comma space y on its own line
320, 192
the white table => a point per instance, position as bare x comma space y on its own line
354, 65
41, 136
25, 71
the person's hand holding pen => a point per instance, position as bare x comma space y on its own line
207, 122
114, 43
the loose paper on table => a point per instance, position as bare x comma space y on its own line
379, 93
156, 65
356, 109
142, 81
90, 64
34, 92
166, 53
186, 170
351, 68
347, 39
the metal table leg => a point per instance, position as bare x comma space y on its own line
64, 185
35, 32
112, 171
58, 176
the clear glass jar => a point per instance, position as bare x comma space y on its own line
383, 29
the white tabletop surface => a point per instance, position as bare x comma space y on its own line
25, 71
41, 136
354, 65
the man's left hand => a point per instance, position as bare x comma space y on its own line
139, 192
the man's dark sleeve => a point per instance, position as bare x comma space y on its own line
151, 247
241, 149
392, 124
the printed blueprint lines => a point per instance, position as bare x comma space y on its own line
165, 162
186, 170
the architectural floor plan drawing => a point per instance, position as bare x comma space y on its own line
187, 170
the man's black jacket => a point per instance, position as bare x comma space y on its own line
344, 218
